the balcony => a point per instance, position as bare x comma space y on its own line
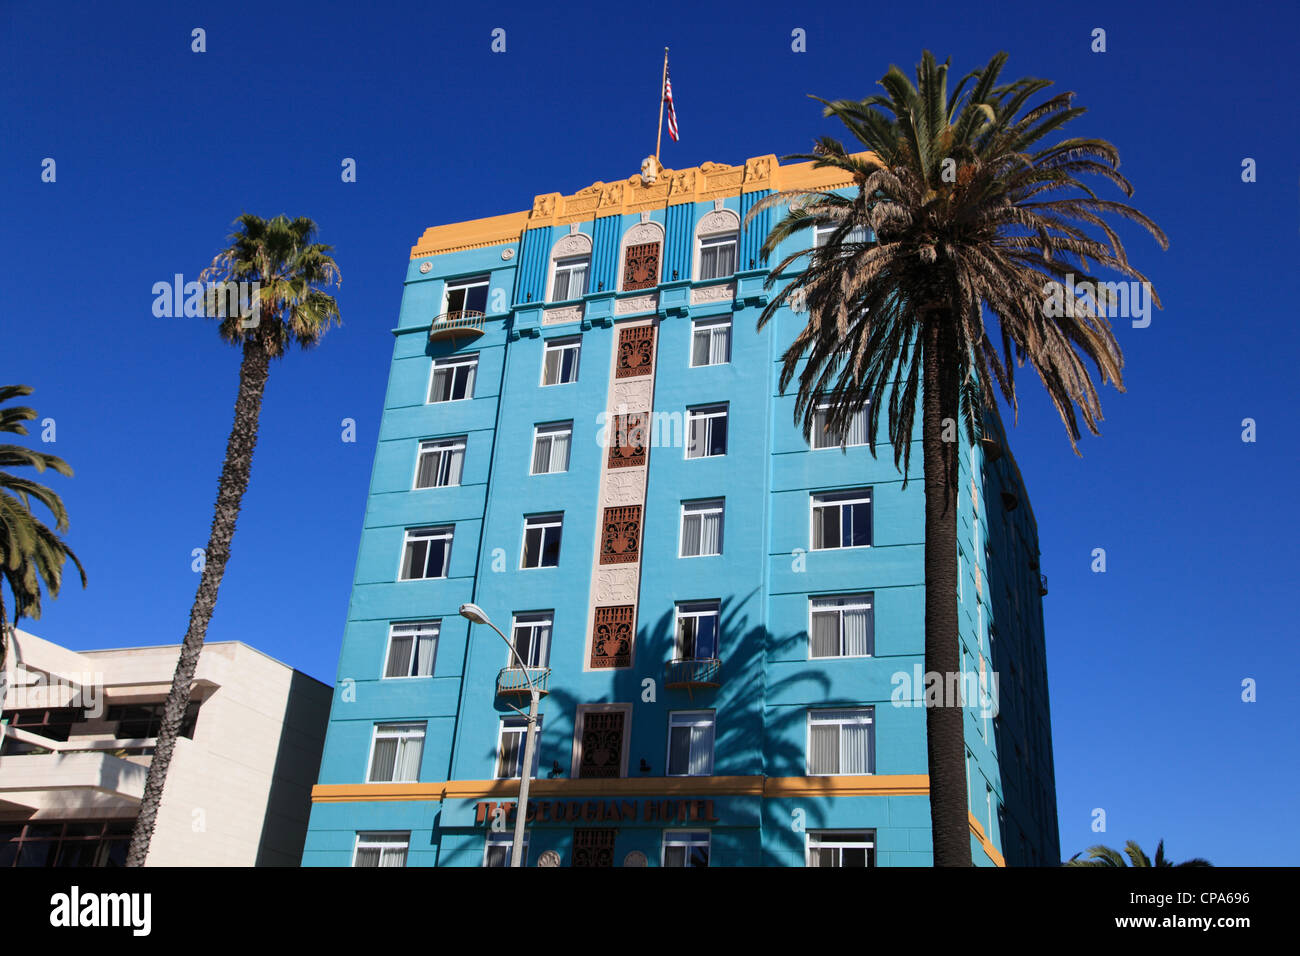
514, 680
692, 674
466, 324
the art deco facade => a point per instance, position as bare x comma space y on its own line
583, 435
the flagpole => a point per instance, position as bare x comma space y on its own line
663, 84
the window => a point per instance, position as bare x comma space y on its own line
542, 540
551, 448
701, 528
711, 343
396, 752
499, 847
381, 849
822, 234
686, 848
706, 431
841, 847
466, 295
440, 463
510, 750
532, 639
65, 843
823, 437
570, 278
841, 626
717, 256
560, 361
453, 378
427, 553
690, 743
411, 649
841, 519
697, 631
841, 741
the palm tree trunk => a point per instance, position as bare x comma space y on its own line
944, 720
253, 371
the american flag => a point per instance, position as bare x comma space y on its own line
672, 111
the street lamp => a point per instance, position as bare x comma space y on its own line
476, 615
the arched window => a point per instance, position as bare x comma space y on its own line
717, 245
570, 267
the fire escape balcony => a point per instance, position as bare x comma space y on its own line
514, 680
691, 673
466, 324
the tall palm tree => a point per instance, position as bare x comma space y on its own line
31, 555
1104, 856
935, 277
290, 305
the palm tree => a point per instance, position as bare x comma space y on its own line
31, 555
961, 212
290, 270
1104, 856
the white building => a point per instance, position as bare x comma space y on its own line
78, 731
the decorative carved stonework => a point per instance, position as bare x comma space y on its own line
641, 266
594, 847
544, 206
620, 539
631, 393
720, 220
616, 585
611, 640
643, 232
714, 293
611, 195
636, 351
627, 440
567, 313
626, 487
758, 168
683, 182
575, 244
637, 303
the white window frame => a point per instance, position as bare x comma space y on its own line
505, 839
532, 620
709, 326
691, 719
548, 431
838, 499
569, 264
518, 727
859, 416
384, 842
707, 413
822, 234
453, 361
714, 240
466, 283
540, 521
430, 533
870, 721
433, 446
430, 628
813, 839
687, 839
697, 609
561, 345
862, 601
403, 731
700, 507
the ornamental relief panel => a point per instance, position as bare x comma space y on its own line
568, 313
617, 585
722, 220
624, 487
577, 244
714, 293
641, 265
633, 394
620, 538
627, 436
611, 646
636, 351
637, 303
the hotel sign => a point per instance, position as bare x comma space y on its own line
603, 811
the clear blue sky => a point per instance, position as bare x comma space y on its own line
158, 149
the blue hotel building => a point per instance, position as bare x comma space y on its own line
583, 435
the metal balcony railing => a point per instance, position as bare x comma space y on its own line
692, 673
514, 680
463, 324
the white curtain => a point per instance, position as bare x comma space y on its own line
825, 634
367, 856
542, 455
441, 390
701, 347
718, 340
691, 535
560, 451
408, 759
710, 534
855, 748
399, 658
857, 429
424, 656
453, 460
381, 766
857, 632
553, 366
701, 750
394, 857
824, 749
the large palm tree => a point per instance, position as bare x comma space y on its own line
291, 270
1105, 856
31, 555
933, 280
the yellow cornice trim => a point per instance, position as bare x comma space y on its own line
753, 786
701, 183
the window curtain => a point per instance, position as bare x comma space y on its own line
691, 535
542, 455
393, 857
452, 462
824, 748
858, 428
857, 632
424, 656
441, 390
553, 366
855, 748
710, 534
825, 636
679, 750
368, 856
701, 348
701, 750
408, 759
399, 658
718, 339
559, 452
384, 760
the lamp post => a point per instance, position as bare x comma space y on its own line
476, 615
